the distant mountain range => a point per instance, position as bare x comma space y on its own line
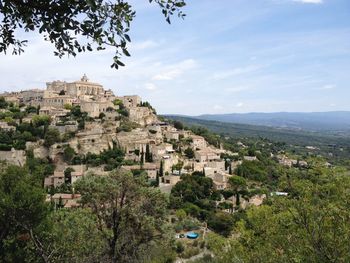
323, 138
309, 121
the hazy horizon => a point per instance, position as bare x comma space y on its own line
259, 112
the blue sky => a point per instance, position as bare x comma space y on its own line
226, 56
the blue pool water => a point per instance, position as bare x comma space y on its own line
192, 235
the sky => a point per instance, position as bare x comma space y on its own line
227, 56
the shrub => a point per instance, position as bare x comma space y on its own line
179, 247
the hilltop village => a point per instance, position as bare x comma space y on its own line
91, 130
76, 148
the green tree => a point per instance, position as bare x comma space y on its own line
221, 223
238, 185
23, 210
189, 153
161, 169
41, 120
68, 154
75, 236
302, 227
31, 109
99, 23
193, 193
51, 137
101, 115
68, 175
178, 125
3, 103
129, 214
148, 154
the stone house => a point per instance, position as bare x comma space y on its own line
172, 135
11, 97
170, 179
158, 151
150, 168
184, 133
56, 101
58, 179
95, 107
131, 101
31, 97
206, 155
255, 200
67, 200
54, 180
53, 112
198, 142
220, 180
218, 165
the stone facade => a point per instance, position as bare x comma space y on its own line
16, 157
4, 126
76, 88
206, 155
198, 142
131, 101
95, 108
142, 115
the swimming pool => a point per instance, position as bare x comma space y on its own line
192, 235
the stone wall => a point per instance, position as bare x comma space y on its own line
16, 157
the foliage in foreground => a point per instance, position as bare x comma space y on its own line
309, 226
122, 220
65, 23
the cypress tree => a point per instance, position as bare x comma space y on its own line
148, 155
161, 171
142, 159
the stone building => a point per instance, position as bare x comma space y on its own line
16, 157
57, 101
142, 115
95, 107
198, 142
32, 97
131, 101
76, 88
206, 155
11, 97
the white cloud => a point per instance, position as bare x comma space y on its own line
175, 70
237, 89
143, 45
309, 1
327, 87
150, 86
236, 71
239, 104
218, 107
168, 75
